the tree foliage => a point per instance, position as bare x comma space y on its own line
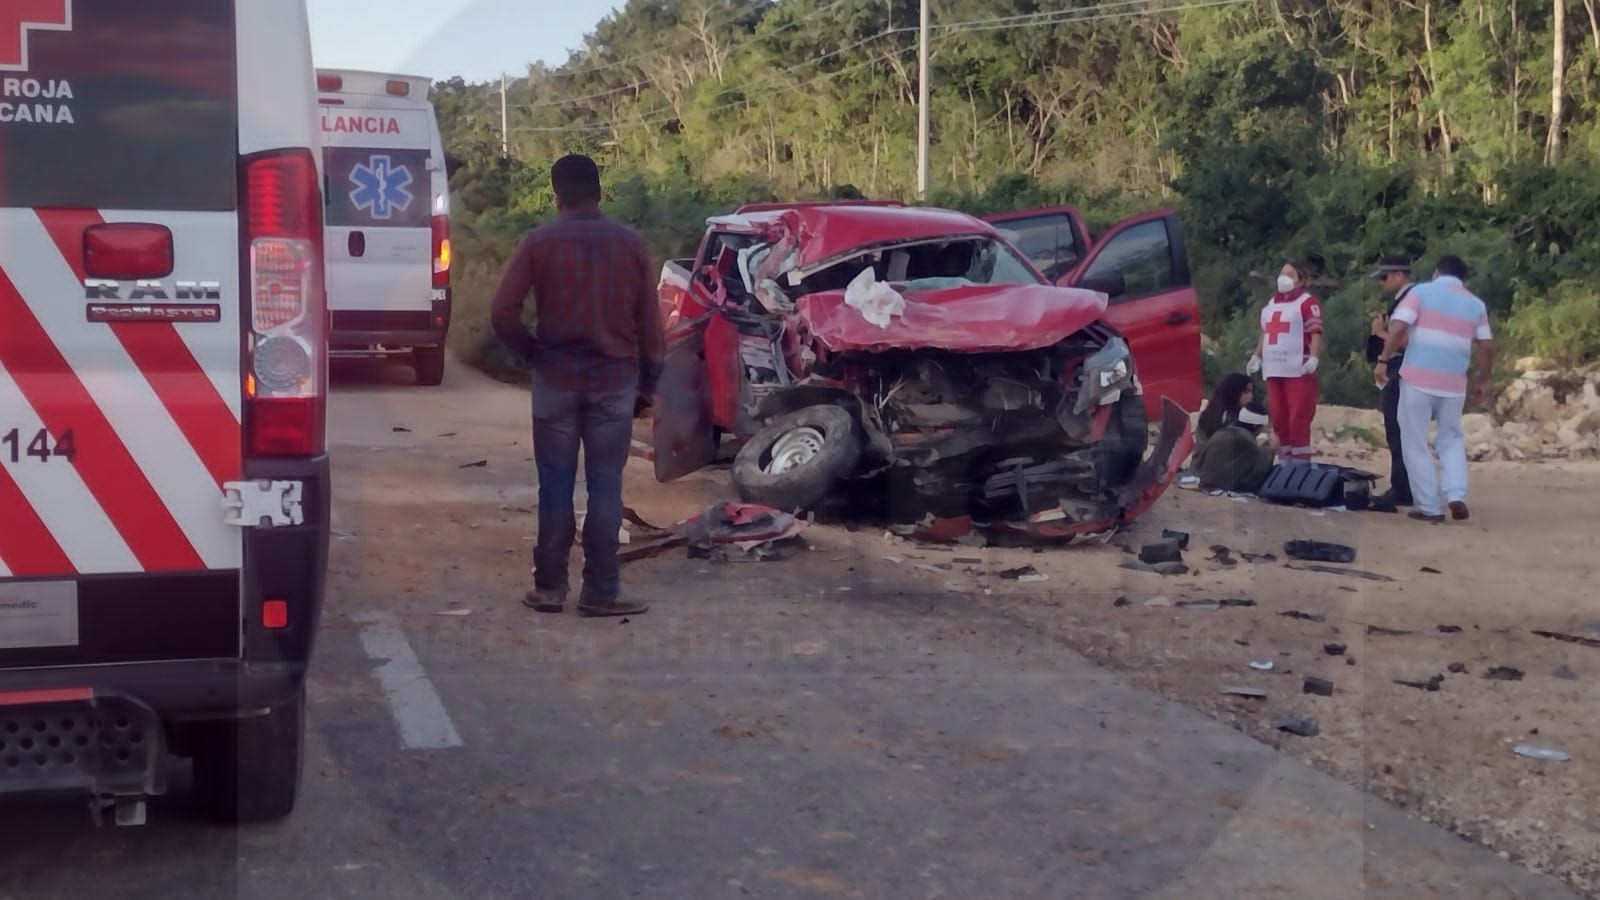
1349, 128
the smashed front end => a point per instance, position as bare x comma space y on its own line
1047, 443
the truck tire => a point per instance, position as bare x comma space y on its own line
248, 771
796, 460
429, 365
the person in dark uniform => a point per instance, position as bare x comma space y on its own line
1393, 274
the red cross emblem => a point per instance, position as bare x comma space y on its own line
18, 17
1277, 326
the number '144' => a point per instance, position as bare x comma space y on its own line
16, 447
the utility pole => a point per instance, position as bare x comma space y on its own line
505, 132
922, 105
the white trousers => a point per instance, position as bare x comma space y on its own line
1417, 411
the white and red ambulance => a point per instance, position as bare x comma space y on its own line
164, 490
388, 218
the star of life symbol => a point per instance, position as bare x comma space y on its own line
18, 17
381, 187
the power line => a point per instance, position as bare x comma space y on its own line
1122, 9
638, 63
770, 76
1082, 14
672, 117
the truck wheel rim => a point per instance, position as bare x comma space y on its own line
794, 449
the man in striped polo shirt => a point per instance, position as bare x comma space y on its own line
1441, 321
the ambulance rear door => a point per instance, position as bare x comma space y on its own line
379, 161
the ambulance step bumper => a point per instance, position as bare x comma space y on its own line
110, 745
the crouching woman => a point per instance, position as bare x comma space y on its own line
1233, 459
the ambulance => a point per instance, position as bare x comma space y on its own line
164, 486
388, 218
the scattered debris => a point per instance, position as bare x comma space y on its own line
1430, 570
967, 561
1261, 665
1023, 573
1309, 617
1503, 673
1158, 601
1432, 684
1322, 687
1250, 692
1349, 660
1222, 556
1334, 649
1216, 604
1305, 726
1458, 668
1319, 551
1161, 551
1449, 629
457, 613
480, 464
1172, 534
1122, 601
1565, 673
1331, 570
1387, 632
1134, 565
1537, 751
1171, 568
1258, 557
448, 434
1568, 638
400, 429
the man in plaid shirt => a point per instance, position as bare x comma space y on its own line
597, 350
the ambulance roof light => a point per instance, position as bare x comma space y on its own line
330, 83
398, 88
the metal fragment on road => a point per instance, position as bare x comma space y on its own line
1568, 638
1334, 649
1309, 617
1248, 692
1322, 687
1503, 673
1541, 752
1565, 673
1264, 665
1304, 726
1335, 570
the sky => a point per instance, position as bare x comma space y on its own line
476, 39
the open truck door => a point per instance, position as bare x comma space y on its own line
1142, 265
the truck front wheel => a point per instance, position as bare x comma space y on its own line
248, 770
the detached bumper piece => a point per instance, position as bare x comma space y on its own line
109, 745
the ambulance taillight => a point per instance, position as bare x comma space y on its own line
285, 389
330, 83
441, 252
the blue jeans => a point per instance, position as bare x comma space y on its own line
602, 422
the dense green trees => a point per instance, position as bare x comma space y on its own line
1348, 128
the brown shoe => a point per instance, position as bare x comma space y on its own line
545, 601
594, 607
1421, 516
1459, 511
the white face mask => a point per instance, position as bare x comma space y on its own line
1285, 284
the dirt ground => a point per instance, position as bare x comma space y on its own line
1524, 562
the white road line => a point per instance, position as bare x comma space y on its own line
415, 705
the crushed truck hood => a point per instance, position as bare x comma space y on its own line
973, 319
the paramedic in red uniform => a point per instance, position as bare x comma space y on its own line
597, 351
1286, 354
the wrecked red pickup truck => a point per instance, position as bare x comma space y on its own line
923, 353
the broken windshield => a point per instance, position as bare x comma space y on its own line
928, 265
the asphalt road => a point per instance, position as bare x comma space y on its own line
808, 728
